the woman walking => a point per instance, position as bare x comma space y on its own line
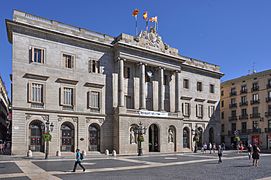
255, 155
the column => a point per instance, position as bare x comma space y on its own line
121, 78
177, 93
142, 87
161, 89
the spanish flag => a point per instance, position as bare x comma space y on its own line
153, 19
145, 16
135, 12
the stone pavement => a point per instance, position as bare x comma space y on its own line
159, 166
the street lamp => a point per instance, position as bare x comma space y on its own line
140, 131
46, 136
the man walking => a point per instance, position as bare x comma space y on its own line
219, 153
78, 159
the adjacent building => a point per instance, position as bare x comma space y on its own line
95, 89
4, 113
246, 109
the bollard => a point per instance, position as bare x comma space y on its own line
29, 153
114, 153
106, 152
58, 153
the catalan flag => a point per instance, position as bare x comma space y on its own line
135, 12
145, 16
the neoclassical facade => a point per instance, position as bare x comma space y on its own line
95, 89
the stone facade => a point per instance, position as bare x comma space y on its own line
137, 79
246, 109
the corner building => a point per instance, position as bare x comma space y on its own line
96, 89
246, 109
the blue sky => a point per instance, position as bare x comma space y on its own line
232, 34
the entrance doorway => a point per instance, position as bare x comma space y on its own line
67, 137
36, 142
186, 138
154, 145
94, 137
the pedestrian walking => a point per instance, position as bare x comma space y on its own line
255, 155
210, 147
204, 148
78, 159
219, 153
249, 148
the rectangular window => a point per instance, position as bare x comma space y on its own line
233, 127
233, 100
186, 109
93, 66
255, 110
255, 85
68, 61
243, 112
212, 88
68, 96
255, 97
269, 124
233, 90
269, 94
255, 124
233, 113
36, 55
222, 127
222, 115
243, 88
269, 82
269, 108
94, 100
186, 83
199, 86
222, 103
243, 99
244, 125
36, 93
127, 72
211, 111
128, 101
199, 110
222, 93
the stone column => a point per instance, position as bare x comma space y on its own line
161, 89
121, 79
142, 87
177, 93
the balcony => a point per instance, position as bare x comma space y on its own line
268, 99
233, 93
268, 114
255, 101
267, 130
268, 86
233, 105
244, 116
255, 115
232, 118
255, 88
243, 103
243, 91
254, 130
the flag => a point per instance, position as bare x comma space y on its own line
145, 15
153, 19
135, 12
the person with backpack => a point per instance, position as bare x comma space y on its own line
78, 158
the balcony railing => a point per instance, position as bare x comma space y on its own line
232, 118
267, 130
268, 99
267, 114
245, 116
233, 93
254, 130
233, 105
255, 115
255, 88
243, 91
255, 101
243, 131
243, 103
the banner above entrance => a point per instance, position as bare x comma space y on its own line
152, 113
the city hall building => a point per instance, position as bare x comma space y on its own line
94, 90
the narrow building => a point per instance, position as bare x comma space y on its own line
92, 91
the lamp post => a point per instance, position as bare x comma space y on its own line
46, 136
140, 131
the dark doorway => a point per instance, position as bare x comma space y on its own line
186, 138
36, 142
94, 137
154, 145
67, 137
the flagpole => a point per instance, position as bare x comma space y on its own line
136, 25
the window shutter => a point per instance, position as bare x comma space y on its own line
72, 61
30, 55
90, 66
98, 66
42, 94
60, 96
182, 109
29, 92
73, 96
88, 97
189, 109
42, 55
98, 100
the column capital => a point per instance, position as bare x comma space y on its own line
120, 58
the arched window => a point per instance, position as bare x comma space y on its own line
67, 137
186, 138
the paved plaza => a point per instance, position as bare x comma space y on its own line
156, 166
